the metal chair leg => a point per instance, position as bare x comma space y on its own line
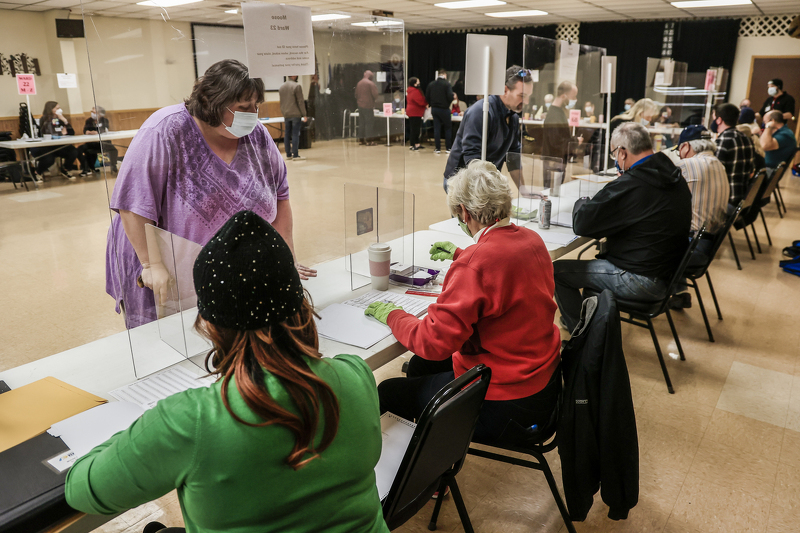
777, 202
660, 356
548, 474
675, 335
703, 310
766, 229
438, 505
746, 236
780, 195
735, 255
755, 236
462, 509
713, 295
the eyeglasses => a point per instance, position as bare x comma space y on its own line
522, 74
613, 153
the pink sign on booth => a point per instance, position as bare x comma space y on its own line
574, 117
26, 84
387, 110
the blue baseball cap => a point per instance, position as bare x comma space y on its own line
693, 133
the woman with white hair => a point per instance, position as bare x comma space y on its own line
496, 308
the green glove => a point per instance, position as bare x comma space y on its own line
381, 310
443, 250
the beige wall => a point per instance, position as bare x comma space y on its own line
746, 48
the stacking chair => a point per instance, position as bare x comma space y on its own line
748, 215
539, 443
778, 194
437, 450
641, 313
763, 200
695, 272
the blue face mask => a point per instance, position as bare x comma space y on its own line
616, 164
713, 126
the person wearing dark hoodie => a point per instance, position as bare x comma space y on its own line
645, 216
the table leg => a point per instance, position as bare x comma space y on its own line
388, 133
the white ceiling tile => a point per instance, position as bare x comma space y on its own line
60, 3
34, 8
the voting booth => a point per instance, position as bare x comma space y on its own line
330, 52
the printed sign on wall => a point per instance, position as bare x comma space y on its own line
279, 39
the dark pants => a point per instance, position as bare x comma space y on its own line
415, 125
501, 422
572, 275
68, 152
291, 137
365, 128
442, 119
90, 151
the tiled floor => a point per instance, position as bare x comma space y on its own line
720, 455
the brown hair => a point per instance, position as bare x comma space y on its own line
224, 82
47, 113
279, 350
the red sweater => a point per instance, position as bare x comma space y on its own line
496, 308
415, 102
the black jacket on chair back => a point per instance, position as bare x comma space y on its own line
597, 438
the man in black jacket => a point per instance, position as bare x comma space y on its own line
439, 94
645, 216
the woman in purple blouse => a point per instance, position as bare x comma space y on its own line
189, 169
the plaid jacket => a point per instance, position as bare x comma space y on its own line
736, 152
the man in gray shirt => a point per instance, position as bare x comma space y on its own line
293, 109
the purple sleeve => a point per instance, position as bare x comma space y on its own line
280, 183
142, 178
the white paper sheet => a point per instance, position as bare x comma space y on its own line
348, 324
396, 433
148, 391
86, 430
410, 305
279, 39
555, 237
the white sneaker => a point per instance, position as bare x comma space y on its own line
289, 157
448, 151
437, 151
299, 158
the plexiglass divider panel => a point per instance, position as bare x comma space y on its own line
151, 59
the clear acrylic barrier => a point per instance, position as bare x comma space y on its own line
373, 215
553, 63
150, 58
534, 177
177, 314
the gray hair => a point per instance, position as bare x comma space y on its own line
633, 137
484, 192
703, 145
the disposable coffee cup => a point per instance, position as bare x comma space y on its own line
380, 256
47, 136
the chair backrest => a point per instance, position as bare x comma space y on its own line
719, 237
438, 446
680, 271
752, 192
772, 184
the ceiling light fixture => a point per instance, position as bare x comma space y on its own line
710, 3
329, 16
510, 14
232, 11
465, 4
377, 23
166, 3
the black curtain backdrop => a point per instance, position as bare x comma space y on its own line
428, 52
705, 43
632, 43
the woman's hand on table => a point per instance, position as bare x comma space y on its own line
305, 272
442, 251
381, 310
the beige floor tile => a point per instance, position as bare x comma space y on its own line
787, 488
676, 526
793, 416
757, 393
782, 520
709, 508
733, 468
745, 434
790, 450
645, 517
670, 410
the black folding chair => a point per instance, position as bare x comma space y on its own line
763, 200
778, 194
437, 450
539, 443
696, 271
748, 215
642, 313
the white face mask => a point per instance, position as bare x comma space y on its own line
94, 116
772, 91
571, 104
589, 111
627, 107
243, 123
547, 106
644, 121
